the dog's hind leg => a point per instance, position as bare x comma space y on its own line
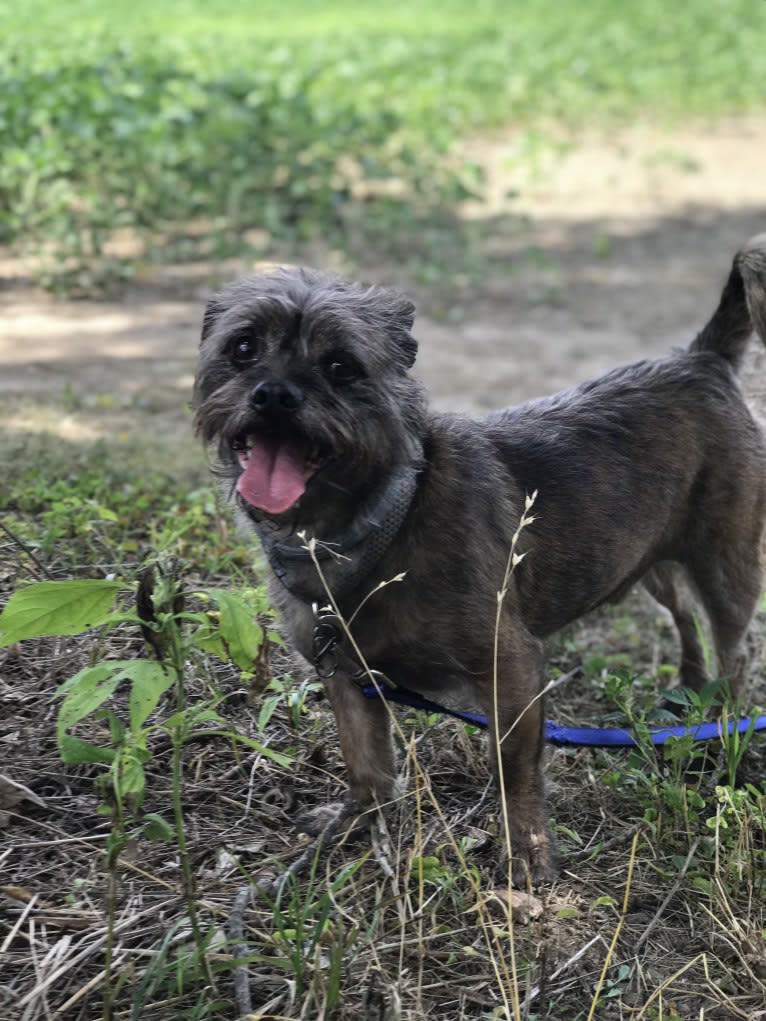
668, 583
730, 587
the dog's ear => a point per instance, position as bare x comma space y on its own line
212, 311
402, 318
390, 312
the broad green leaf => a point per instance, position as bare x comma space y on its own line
116, 726
86, 692
191, 717
57, 608
156, 828
209, 640
150, 680
240, 632
74, 751
268, 753
131, 778
605, 902
267, 711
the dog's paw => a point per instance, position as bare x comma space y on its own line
316, 819
534, 861
346, 814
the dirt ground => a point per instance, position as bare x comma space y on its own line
602, 253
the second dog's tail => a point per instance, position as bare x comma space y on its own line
742, 307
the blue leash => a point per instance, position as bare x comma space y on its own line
555, 733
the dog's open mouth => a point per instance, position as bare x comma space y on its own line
276, 471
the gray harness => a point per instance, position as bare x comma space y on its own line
346, 559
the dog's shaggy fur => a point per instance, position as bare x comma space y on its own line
654, 472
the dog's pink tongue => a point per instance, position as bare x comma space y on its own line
274, 477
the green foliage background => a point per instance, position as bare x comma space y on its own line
231, 116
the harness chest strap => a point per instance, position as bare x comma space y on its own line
353, 554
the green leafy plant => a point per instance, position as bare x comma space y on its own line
224, 626
174, 965
310, 937
285, 691
739, 825
667, 777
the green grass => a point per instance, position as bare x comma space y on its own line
190, 123
95, 508
481, 65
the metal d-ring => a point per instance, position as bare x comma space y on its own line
328, 633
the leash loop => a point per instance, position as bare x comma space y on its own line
376, 681
330, 656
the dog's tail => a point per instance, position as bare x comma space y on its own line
742, 307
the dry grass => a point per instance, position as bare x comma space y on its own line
661, 911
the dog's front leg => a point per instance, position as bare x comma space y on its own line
364, 732
514, 712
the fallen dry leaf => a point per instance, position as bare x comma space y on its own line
11, 793
17, 893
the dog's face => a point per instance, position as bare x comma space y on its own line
303, 387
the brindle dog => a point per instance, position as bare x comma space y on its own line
655, 472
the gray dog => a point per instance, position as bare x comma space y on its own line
654, 472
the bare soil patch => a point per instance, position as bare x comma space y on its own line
604, 252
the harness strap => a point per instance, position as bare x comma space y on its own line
332, 657
352, 555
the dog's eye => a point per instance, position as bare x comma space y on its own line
343, 369
243, 350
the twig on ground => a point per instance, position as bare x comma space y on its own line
23, 546
239, 949
270, 887
93, 983
93, 941
19, 922
670, 895
598, 938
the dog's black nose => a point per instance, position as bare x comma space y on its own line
276, 395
